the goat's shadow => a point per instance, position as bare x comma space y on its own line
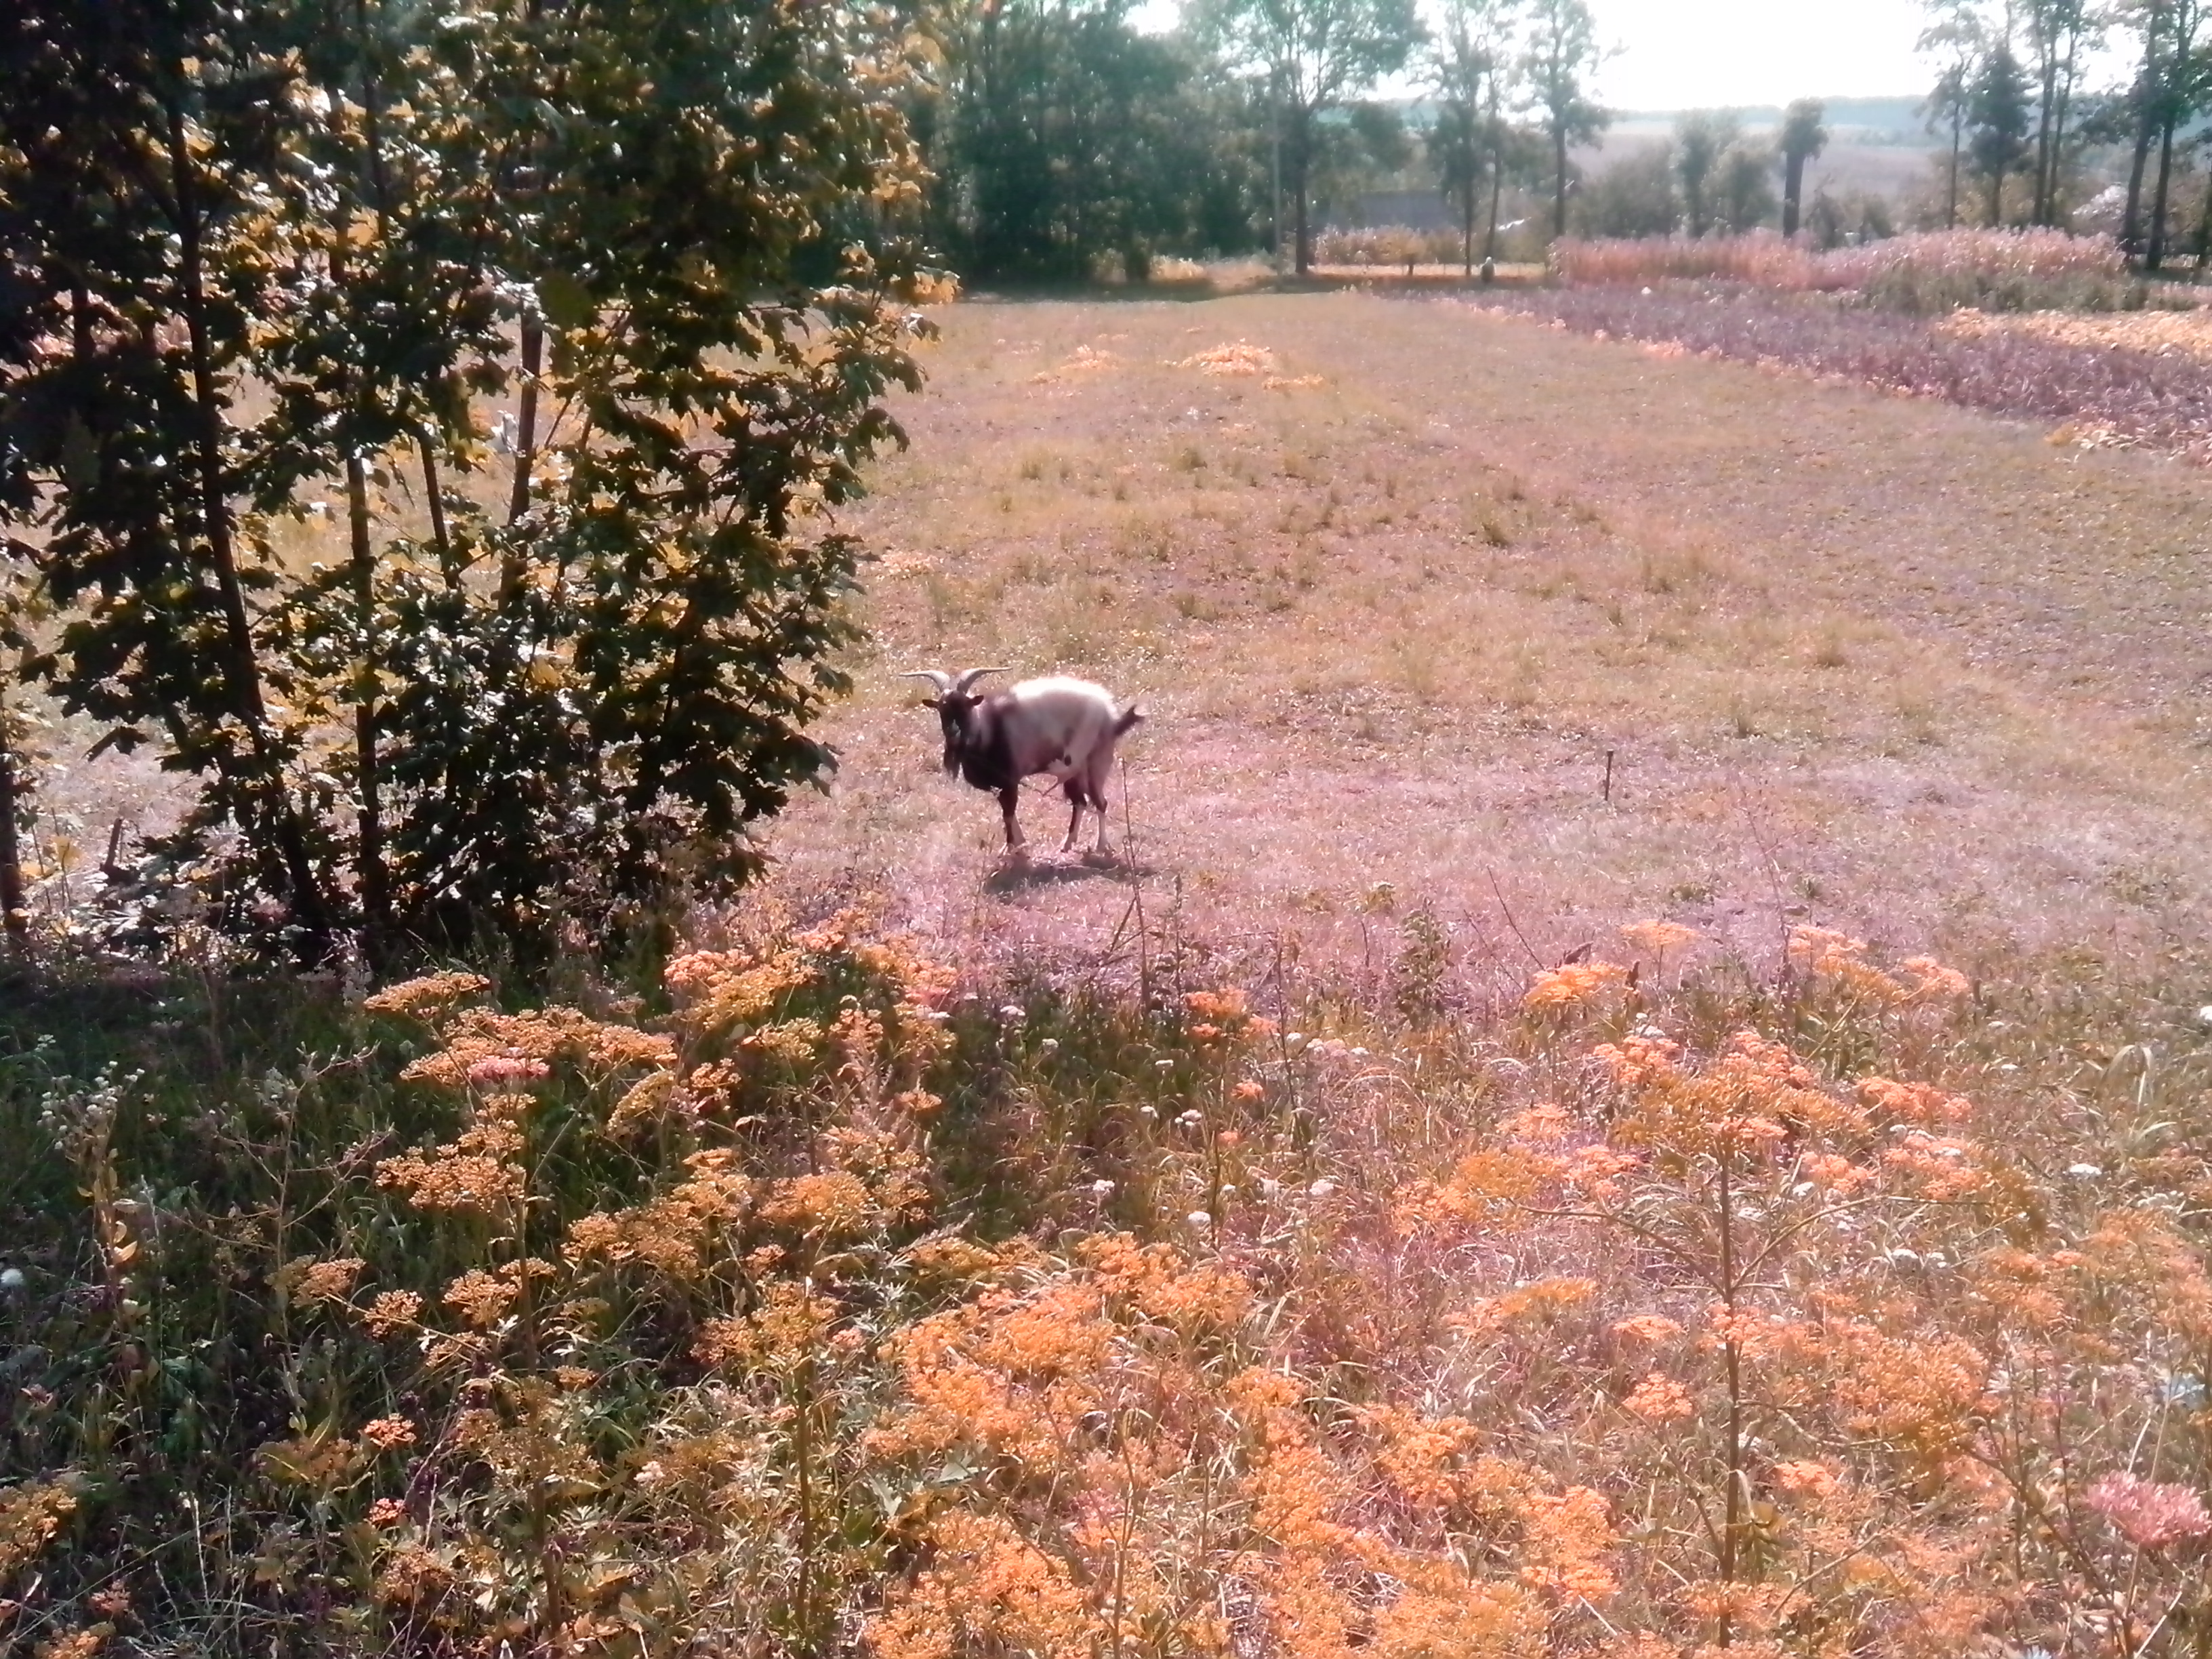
1011, 879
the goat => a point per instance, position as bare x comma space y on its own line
1064, 727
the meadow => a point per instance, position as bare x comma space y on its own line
1638, 1087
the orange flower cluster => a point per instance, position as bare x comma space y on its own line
477, 1174
30, 1516
1576, 986
1838, 962
481, 1046
425, 998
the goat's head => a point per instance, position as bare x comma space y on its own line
955, 702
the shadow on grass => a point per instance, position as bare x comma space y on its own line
1013, 878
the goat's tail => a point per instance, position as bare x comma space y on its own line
1127, 718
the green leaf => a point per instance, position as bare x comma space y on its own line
566, 302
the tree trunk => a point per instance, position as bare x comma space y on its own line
2058, 127
1793, 187
433, 492
1467, 227
1497, 189
243, 667
526, 442
1997, 197
1301, 147
1958, 138
2045, 109
2146, 123
1559, 196
2156, 251
2204, 232
375, 886
14, 918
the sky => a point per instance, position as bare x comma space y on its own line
1686, 54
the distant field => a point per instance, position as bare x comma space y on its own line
1884, 167
1392, 602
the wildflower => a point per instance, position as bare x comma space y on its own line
1659, 1398
1545, 1122
1914, 1102
30, 1517
1102, 1189
1322, 1188
391, 1311
1648, 1328
1944, 1168
1249, 1090
835, 1204
2149, 1514
1657, 939
1560, 990
1566, 1536
424, 996
1805, 1478
646, 1099
479, 1297
1198, 1218
497, 1071
388, 1433
1932, 982
330, 1280
1836, 1175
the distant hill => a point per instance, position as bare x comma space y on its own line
1850, 120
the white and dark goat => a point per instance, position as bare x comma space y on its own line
1067, 728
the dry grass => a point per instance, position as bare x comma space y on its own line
1856, 660
2158, 333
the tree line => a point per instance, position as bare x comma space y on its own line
2017, 116
1062, 136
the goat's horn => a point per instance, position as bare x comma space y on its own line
936, 676
972, 676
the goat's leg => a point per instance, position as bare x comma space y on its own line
1009, 799
1074, 821
1100, 765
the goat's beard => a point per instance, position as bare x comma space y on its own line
952, 764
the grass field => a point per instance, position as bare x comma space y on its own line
926, 1296
1394, 600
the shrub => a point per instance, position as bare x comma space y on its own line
827, 1306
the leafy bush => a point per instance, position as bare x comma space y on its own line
265, 255
831, 1307
1386, 246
